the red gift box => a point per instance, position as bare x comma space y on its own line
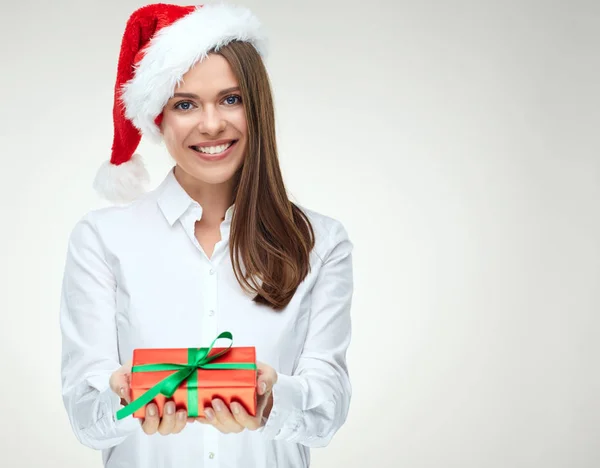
203, 383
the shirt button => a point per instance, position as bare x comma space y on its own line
211, 312
212, 272
211, 455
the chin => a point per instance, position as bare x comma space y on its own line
211, 176
214, 180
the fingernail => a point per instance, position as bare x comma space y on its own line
151, 410
235, 408
181, 415
122, 391
217, 405
170, 408
263, 387
209, 414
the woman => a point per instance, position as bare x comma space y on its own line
216, 247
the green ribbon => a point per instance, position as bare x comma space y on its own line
198, 358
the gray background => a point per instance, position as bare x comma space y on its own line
459, 144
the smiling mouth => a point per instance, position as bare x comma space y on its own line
214, 150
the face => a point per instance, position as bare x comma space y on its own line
204, 124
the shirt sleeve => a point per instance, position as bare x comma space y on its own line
89, 341
310, 405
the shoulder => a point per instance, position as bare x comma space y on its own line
325, 226
116, 221
330, 232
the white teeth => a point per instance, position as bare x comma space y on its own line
214, 149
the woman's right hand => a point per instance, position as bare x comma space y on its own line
171, 423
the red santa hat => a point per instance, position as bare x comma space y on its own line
160, 44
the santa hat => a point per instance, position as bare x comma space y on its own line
160, 44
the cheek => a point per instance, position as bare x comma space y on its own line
174, 131
168, 137
239, 121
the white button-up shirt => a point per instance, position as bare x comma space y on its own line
136, 277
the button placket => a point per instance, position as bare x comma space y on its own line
210, 446
209, 332
209, 322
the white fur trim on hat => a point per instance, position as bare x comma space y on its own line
177, 48
122, 183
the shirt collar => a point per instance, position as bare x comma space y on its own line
174, 201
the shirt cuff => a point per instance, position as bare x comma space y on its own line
111, 403
123, 426
286, 414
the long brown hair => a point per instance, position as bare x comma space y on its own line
270, 234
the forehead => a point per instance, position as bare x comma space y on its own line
208, 77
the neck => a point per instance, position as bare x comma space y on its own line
215, 199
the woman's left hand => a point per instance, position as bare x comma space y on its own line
235, 419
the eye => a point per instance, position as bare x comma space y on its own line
231, 99
183, 105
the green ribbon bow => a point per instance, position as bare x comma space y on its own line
198, 358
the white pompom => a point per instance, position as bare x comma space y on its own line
123, 183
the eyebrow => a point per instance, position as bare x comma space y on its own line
195, 96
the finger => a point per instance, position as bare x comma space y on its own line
119, 384
264, 384
120, 381
125, 392
167, 423
151, 421
125, 369
243, 418
180, 421
267, 377
224, 417
262, 402
211, 418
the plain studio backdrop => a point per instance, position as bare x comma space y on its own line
458, 142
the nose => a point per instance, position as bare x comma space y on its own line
211, 121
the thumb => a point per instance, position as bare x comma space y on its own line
267, 377
264, 384
125, 392
119, 382
125, 389
126, 368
